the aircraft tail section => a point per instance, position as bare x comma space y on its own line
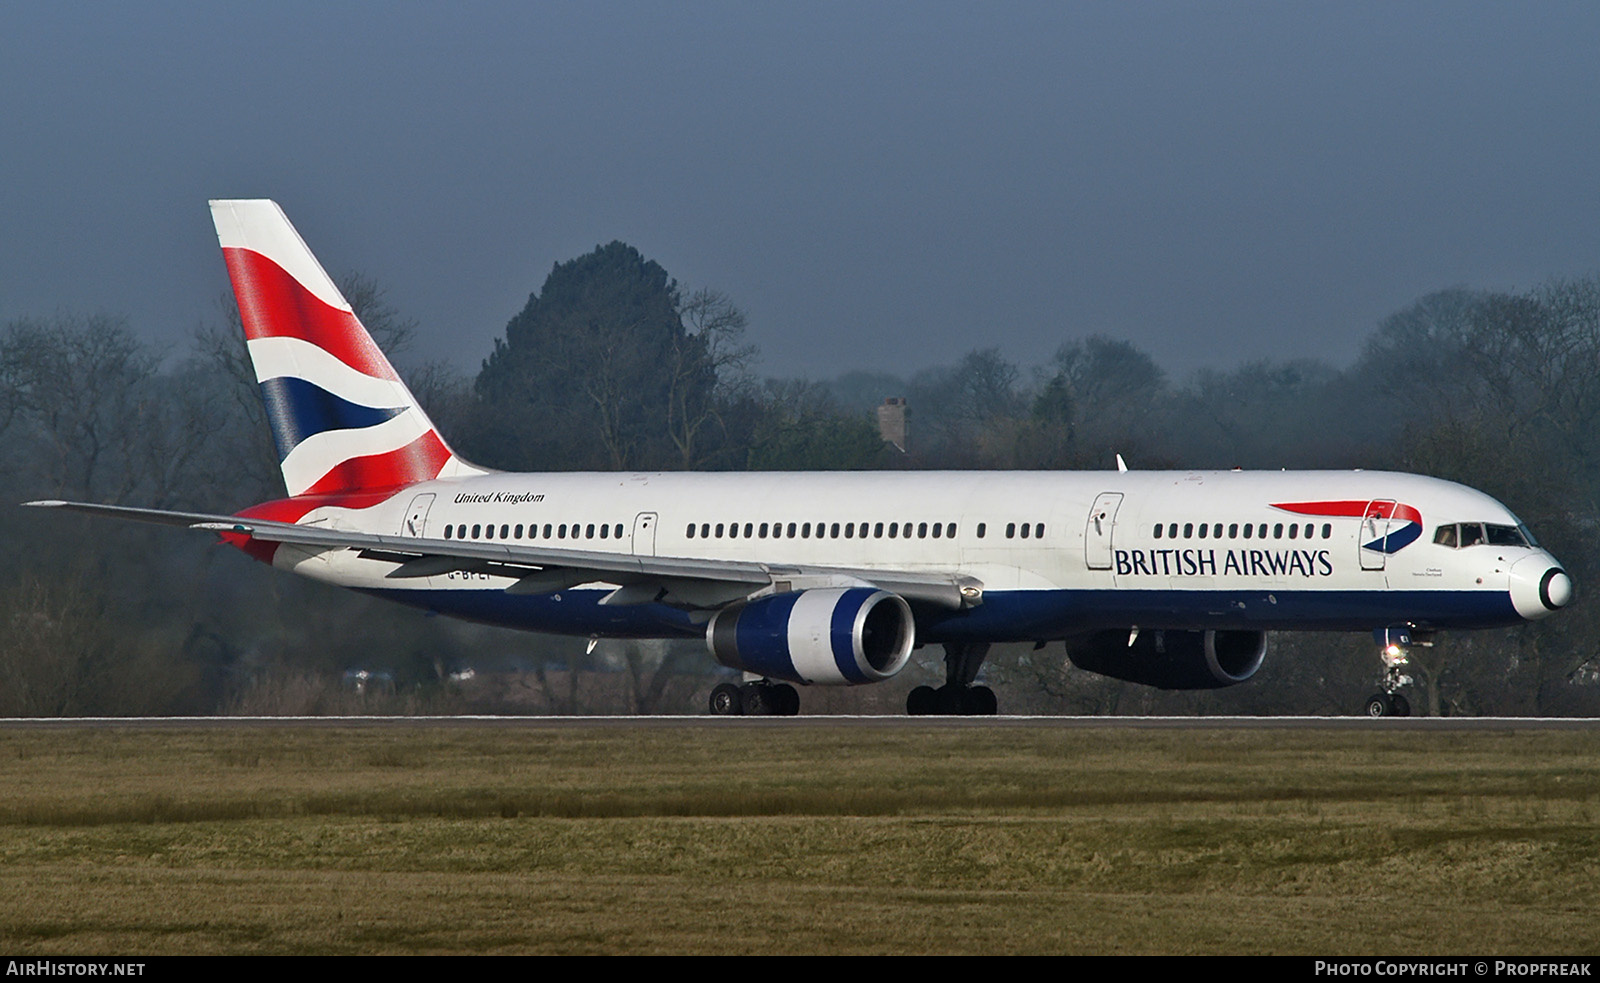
342, 419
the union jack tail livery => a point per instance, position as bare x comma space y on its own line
342, 419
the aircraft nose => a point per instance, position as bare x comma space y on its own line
1539, 586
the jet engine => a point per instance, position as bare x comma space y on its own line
834, 636
1172, 659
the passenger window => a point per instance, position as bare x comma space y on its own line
1327, 530
983, 527
950, 531
1202, 530
749, 527
791, 530
805, 531
849, 530
448, 530
1248, 529
833, 531
1159, 527
1233, 530
877, 531
1188, 530
477, 531
547, 530
588, 532
1294, 531
720, 527
604, 528
1277, 531
617, 531
689, 531
937, 528
922, 530
517, 533
763, 530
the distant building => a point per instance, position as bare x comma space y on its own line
893, 426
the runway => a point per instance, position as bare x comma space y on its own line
884, 722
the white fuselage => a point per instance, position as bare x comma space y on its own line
1056, 552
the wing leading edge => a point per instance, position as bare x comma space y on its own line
684, 581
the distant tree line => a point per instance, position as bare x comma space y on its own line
612, 366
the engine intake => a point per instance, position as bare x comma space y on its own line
1172, 659
835, 636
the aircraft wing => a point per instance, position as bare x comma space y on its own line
686, 581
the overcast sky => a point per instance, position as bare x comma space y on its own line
880, 186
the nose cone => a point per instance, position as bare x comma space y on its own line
1539, 586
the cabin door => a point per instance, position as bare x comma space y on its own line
644, 534
1374, 532
417, 516
1097, 532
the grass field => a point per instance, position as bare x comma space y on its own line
808, 840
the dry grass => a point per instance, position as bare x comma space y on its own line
808, 840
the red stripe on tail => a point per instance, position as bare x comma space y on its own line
273, 304
420, 460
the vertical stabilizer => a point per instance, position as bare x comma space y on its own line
342, 419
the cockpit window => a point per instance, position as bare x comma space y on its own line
1474, 533
1505, 536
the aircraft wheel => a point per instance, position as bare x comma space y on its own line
1401, 705
1378, 705
785, 700
949, 701
979, 701
922, 701
725, 700
755, 700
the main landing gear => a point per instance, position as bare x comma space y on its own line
957, 697
1391, 702
757, 699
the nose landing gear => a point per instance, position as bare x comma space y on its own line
1391, 702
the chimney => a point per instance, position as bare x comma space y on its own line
892, 424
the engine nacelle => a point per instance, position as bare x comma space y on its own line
834, 636
1172, 659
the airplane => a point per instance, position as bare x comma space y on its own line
1170, 579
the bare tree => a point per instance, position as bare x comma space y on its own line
708, 368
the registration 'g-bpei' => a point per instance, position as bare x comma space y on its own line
1169, 579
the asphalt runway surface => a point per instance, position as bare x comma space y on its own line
1383, 724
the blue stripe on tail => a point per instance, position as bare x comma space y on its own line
298, 409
